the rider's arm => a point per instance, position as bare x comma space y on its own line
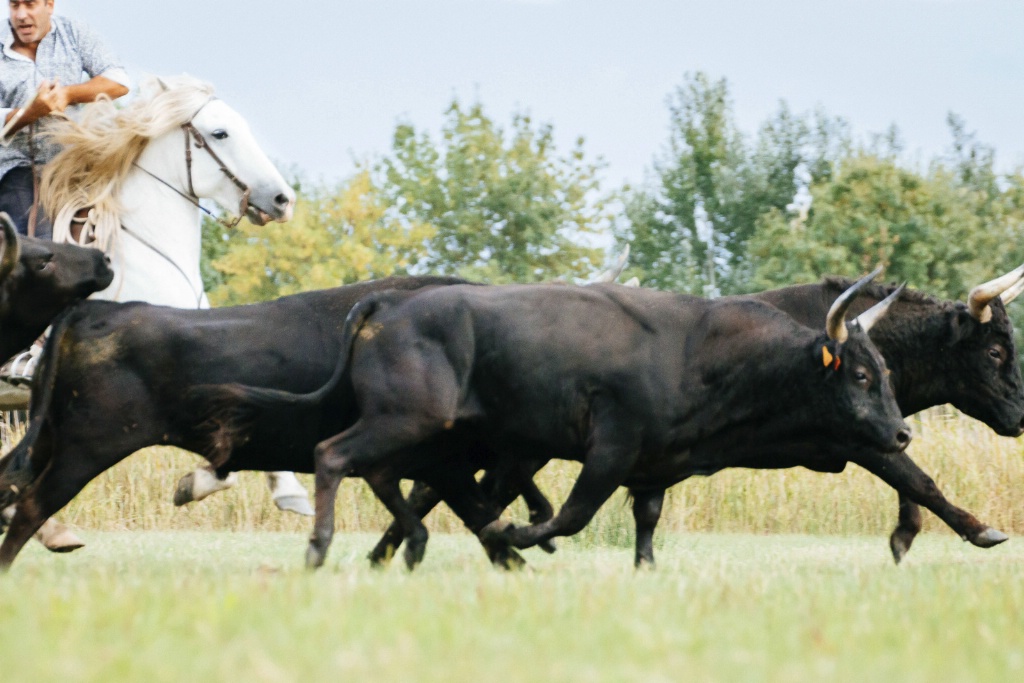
93, 88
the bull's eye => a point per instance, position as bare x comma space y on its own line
44, 263
997, 353
862, 377
219, 134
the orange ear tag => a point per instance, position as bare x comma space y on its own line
835, 366
826, 357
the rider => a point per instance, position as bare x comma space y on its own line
42, 65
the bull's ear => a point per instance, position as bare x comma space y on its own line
961, 324
830, 355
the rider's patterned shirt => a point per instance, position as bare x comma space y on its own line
69, 51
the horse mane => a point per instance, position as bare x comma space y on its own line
100, 147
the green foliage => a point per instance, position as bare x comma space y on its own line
689, 230
506, 208
337, 236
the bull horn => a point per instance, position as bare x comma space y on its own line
12, 249
868, 318
632, 282
835, 323
613, 273
980, 297
1012, 293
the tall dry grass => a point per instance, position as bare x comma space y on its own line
976, 469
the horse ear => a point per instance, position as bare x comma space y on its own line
163, 86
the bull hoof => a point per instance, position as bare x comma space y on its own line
497, 531
899, 544
508, 559
381, 556
414, 551
548, 546
989, 537
183, 494
63, 542
314, 557
645, 564
298, 504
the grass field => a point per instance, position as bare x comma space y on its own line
763, 576
216, 606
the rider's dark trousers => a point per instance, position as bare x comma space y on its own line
16, 200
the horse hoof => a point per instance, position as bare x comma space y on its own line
645, 564
548, 546
989, 537
183, 494
63, 542
314, 557
297, 504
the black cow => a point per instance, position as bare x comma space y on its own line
39, 279
938, 352
645, 388
116, 377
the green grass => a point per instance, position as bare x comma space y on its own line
215, 606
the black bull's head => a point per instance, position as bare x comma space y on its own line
39, 279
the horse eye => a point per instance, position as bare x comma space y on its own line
220, 134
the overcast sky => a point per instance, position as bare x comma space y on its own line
322, 82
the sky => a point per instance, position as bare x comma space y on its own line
325, 83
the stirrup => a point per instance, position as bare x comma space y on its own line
20, 369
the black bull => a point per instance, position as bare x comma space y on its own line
39, 279
138, 396
645, 388
938, 352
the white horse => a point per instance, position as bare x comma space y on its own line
136, 174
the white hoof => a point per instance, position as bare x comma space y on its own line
298, 504
58, 538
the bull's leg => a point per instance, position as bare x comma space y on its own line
477, 510
201, 483
363, 444
54, 536
609, 462
327, 484
288, 494
906, 529
900, 472
503, 487
51, 492
422, 499
415, 533
646, 513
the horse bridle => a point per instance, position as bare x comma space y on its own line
192, 134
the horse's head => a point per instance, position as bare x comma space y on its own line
235, 153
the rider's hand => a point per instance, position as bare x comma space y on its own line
51, 97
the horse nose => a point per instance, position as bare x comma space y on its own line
903, 438
282, 200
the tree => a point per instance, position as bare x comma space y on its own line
505, 208
337, 236
690, 224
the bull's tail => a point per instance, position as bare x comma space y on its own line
17, 470
230, 409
